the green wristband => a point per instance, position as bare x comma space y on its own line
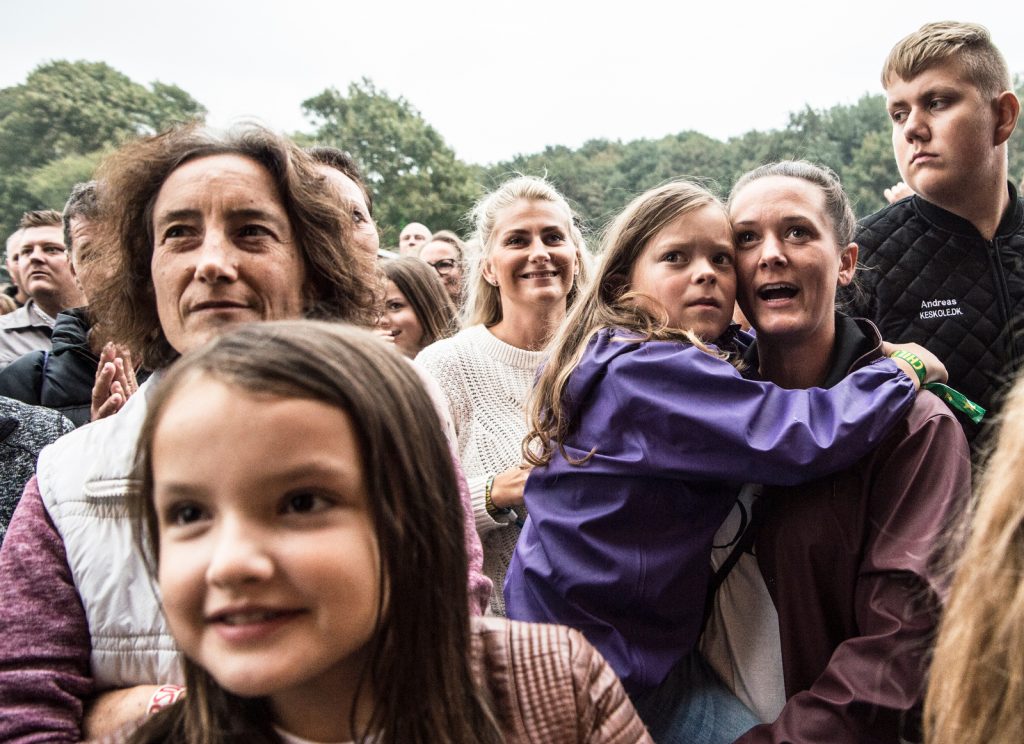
957, 401
913, 360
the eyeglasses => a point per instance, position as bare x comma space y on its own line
444, 265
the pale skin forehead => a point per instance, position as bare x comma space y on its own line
232, 182
45, 235
945, 74
415, 229
760, 198
436, 250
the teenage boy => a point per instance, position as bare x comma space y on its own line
945, 267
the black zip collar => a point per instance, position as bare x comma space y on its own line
1012, 221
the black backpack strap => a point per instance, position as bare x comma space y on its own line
743, 545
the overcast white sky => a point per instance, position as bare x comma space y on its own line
498, 79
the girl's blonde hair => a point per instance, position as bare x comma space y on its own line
483, 305
608, 303
976, 692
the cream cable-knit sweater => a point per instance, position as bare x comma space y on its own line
486, 382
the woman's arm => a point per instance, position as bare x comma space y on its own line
44, 635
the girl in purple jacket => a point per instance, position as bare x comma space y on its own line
642, 431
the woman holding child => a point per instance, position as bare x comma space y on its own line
842, 586
641, 431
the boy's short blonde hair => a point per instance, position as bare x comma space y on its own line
934, 43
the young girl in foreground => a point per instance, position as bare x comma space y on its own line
295, 498
641, 434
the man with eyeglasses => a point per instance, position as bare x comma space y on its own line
46, 277
444, 253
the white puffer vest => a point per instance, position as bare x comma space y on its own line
84, 479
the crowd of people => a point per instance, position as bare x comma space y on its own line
267, 481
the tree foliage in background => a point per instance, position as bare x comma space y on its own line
57, 125
853, 139
602, 176
413, 174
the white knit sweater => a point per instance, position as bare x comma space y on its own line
486, 382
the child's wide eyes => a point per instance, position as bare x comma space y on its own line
184, 514
305, 502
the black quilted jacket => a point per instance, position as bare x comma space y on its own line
928, 276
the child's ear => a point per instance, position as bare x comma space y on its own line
1007, 109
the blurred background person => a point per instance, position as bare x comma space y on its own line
69, 375
45, 275
412, 237
341, 171
14, 290
446, 254
417, 311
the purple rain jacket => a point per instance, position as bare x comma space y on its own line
620, 546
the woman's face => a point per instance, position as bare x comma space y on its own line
223, 250
444, 259
532, 260
788, 261
400, 320
686, 271
269, 568
364, 231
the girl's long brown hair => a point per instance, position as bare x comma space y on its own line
608, 303
427, 296
419, 677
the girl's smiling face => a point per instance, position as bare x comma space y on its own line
400, 320
686, 272
269, 567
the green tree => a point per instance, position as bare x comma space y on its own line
56, 126
414, 174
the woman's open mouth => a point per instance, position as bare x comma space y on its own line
777, 291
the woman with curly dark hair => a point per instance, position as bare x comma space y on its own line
209, 231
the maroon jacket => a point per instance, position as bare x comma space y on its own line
850, 562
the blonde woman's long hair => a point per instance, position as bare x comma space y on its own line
976, 690
608, 303
483, 304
